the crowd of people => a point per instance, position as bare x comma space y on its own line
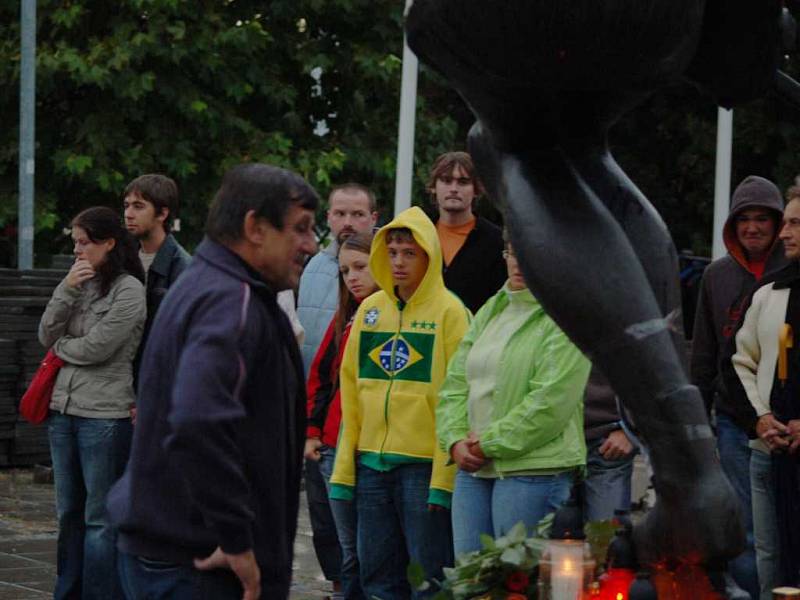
737, 344
419, 388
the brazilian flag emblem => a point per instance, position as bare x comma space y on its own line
407, 357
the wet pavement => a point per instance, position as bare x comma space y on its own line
28, 542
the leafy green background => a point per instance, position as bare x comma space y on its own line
190, 88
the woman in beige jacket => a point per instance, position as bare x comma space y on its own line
93, 322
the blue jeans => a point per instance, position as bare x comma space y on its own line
323, 528
608, 483
88, 455
734, 454
765, 526
147, 579
346, 520
493, 506
395, 527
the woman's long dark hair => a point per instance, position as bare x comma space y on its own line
360, 242
100, 224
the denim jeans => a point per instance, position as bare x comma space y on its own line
734, 454
493, 506
346, 520
395, 527
323, 528
608, 483
88, 455
146, 579
765, 526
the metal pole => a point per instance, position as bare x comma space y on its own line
405, 130
27, 128
722, 179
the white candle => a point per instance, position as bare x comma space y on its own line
567, 578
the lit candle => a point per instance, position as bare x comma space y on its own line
567, 576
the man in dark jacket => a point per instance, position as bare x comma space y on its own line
151, 202
472, 247
609, 452
750, 235
208, 504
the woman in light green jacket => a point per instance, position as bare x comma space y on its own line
510, 414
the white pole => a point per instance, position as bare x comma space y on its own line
405, 130
722, 179
27, 125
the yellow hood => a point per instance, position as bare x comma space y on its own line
424, 232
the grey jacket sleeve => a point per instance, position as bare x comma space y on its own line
56, 316
127, 310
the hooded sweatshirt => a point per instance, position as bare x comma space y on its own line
726, 286
393, 366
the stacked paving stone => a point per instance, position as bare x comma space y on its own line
9, 377
23, 297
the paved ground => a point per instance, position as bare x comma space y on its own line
28, 540
28, 543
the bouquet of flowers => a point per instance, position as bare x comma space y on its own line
506, 568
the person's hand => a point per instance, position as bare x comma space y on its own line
462, 454
615, 446
794, 431
773, 433
133, 415
244, 565
474, 443
311, 451
80, 271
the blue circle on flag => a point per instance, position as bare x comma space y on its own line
401, 355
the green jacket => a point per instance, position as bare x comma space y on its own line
537, 422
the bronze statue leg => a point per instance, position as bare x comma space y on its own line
584, 269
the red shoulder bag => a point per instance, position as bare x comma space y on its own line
35, 404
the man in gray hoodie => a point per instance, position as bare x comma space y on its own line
750, 236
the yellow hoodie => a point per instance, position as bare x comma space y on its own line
393, 365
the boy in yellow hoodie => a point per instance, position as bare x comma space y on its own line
394, 363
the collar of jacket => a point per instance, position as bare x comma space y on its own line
480, 223
229, 262
788, 277
332, 250
163, 259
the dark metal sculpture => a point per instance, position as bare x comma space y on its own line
545, 80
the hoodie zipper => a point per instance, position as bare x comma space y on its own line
391, 382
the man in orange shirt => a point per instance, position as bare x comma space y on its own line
472, 247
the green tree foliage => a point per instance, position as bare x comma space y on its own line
191, 88
668, 148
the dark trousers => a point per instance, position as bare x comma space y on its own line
146, 579
326, 543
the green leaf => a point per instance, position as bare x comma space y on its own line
599, 535
513, 556
198, 106
544, 526
487, 541
517, 533
76, 164
416, 575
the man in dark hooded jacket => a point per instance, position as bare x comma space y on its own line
750, 235
207, 507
